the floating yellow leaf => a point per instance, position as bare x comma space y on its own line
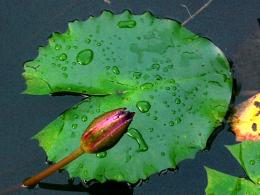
246, 119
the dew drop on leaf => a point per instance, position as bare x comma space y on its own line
85, 56
63, 57
137, 75
57, 47
84, 118
101, 154
177, 100
252, 162
136, 135
115, 70
171, 123
63, 68
156, 66
87, 41
146, 86
158, 77
74, 126
126, 24
143, 106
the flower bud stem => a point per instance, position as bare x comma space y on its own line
32, 181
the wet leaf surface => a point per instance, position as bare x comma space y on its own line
179, 85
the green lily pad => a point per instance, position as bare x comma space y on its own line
248, 155
220, 183
179, 85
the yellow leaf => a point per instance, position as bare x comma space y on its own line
245, 121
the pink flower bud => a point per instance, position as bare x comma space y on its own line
106, 130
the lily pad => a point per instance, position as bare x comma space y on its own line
221, 183
178, 83
248, 155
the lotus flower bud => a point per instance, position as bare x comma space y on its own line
106, 130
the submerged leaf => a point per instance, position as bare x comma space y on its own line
179, 85
246, 120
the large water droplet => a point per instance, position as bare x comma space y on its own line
101, 154
146, 86
115, 70
63, 57
84, 57
143, 106
126, 24
136, 135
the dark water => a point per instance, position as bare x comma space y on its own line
232, 25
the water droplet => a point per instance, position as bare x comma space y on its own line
258, 181
158, 77
167, 88
171, 123
172, 81
126, 24
62, 57
74, 126
174, 88
76, 116
84, 118
146, 86
87, 41
137, 75
165, 69
177, 100
143, 106
115, 70
63, 68
156, 66
101, 154
252, 162
98, 44
177, 120
84, 57
57, 47
155, 118
136, 135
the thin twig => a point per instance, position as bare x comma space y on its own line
197, 12
187, 9
107, 1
